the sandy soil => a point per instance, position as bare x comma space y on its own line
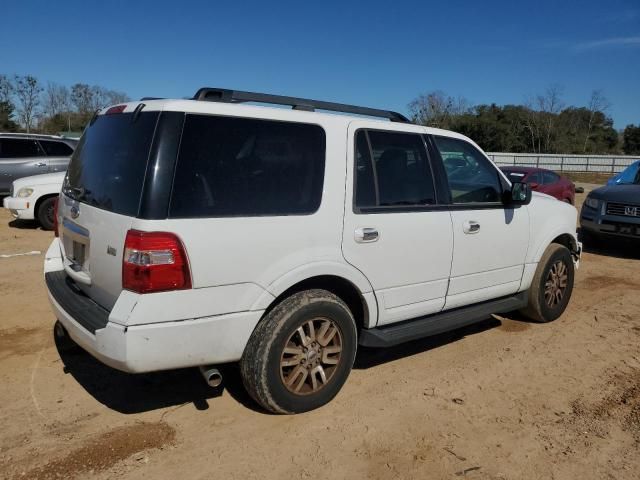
504, 399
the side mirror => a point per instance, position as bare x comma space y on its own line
520, 194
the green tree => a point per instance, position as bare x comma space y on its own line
6, 114
631, 140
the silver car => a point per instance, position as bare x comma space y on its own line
23, 155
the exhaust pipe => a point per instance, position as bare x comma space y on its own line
212, 376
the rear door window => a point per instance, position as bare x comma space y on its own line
534, 177
514, 176
392, 169
230, 166
56, 149
549, 178
19, 148
107, 168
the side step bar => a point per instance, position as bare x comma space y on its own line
391, 335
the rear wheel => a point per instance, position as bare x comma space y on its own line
552, 285
45, 213
301, 353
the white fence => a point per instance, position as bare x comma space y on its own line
566, 163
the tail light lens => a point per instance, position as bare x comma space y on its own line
55, 216
154, 262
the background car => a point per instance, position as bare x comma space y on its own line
23, 155
543, 181
626, 176
613, 210
33, 198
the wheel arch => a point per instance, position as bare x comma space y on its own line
560, 236
39, 201
343, 281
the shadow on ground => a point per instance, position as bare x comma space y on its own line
610, 246
24, 224
372, 357
135, 393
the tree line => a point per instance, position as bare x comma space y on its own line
543, 124
28, 105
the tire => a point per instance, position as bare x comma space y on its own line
555, 271
45, 213
290, 381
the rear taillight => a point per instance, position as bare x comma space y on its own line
55, 216
154, 262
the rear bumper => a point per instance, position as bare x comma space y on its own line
19, 207
148, 347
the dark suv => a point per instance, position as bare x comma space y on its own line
613, 210
23, 155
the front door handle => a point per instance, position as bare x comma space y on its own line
41, 164
366, 235
471, 226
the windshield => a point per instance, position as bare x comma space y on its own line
107, 168
630, 176
514, 176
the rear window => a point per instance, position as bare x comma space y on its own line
107, 168
246, 167
56, 149
514, 176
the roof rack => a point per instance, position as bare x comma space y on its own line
236, 96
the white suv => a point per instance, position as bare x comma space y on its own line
205, 231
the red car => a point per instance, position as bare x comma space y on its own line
543, 181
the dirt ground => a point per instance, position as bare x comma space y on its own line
504, 399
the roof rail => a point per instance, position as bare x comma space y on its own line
236, 96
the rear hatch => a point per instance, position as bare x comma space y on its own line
100, 198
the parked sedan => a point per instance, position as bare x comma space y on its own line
543, 181
34, 197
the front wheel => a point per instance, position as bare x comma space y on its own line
301, 353
552, 285
45, 213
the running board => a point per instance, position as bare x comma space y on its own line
395, 334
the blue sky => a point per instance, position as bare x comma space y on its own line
379, 54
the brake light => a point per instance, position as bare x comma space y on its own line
154, 262
55, 216
116, 109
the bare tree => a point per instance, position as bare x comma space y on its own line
531, 123
27, 91
56, 99
114, 97
549, 105
597, 103
436, 109
82, 97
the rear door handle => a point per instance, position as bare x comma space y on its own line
366, 235
471, 226
41, 164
